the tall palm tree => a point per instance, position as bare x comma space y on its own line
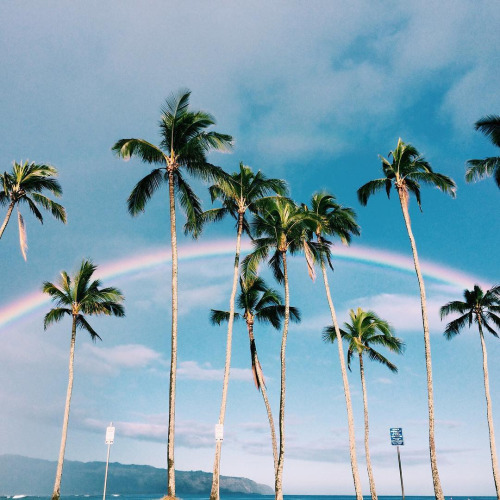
482, 308
25, 184
281, 227
334, 220
258, 302
238, 193
365, 330
78, 297
184, 145
478, 169
405, 173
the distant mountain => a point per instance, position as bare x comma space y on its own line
32, 476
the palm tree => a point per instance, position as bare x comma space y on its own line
478, 169
281, 227
238, 193
258, 302
335, 220
405, 173
77, 297
24, 184
365, 330
483, 309
184, 145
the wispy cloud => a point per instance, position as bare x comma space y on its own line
192, 370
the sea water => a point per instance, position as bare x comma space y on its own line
238, 497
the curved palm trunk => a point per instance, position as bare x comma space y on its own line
262, 387
403, 198
347, 392
173, 356
278, 484
7, 217
367, 430
214, 494
489, 413
57, 485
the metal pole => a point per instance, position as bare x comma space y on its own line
106, 474
401, 474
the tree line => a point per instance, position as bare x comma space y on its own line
278, 227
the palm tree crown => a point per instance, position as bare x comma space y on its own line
407, 170
257, 301
184, 145
477, 307
364, 331
280, 226
25, 184
478, 169
239, 192
82, 296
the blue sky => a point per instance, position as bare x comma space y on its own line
312, 93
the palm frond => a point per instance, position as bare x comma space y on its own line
143, 191
57, 211
23, 239
55, 315
144, 150
490, 126
83, 324
371, 187
191, 205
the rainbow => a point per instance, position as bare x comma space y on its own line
142, 261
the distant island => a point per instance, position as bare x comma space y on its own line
32, 476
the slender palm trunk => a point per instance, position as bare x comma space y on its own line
278, 485
262, 386
173, 356
489, 413
403, 198
347, 392
57, 485
367, 430
7, 217
214, 494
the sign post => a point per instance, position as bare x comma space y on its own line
397, 440
110, 437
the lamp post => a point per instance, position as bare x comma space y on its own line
110, 437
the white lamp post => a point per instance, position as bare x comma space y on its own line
110, 437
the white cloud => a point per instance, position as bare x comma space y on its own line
192, 370
403, 312
111, 360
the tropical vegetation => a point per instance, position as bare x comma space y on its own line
478, 169
483, 309
405, 172
185, 142
26, 184
257, 301
334, 220
281, 228
238, 193
364, 331
78, 296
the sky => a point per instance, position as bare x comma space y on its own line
313, 93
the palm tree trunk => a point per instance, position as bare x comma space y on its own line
489, 413
7, 217
403, 198
214, 494
278, 485
347, 392
262, 386
367, 430
57, 485
173, 356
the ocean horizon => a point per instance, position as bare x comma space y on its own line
238, 496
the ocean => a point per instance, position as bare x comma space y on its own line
240, 497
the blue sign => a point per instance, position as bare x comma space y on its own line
397, 436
